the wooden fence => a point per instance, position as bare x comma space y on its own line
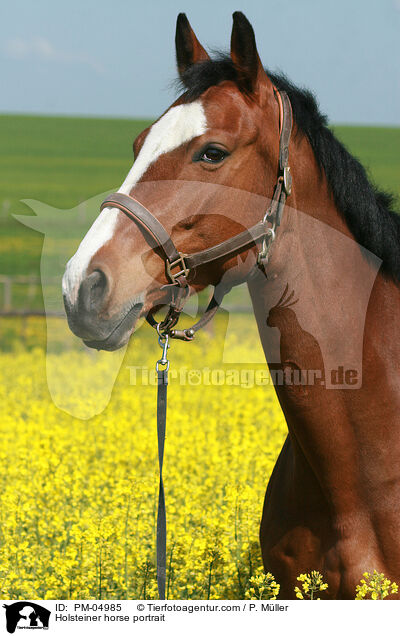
31, 303
33, 285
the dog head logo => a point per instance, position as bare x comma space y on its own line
26, 615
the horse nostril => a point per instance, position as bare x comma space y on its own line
92, 291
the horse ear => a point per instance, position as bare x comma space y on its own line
188, 49
244, 53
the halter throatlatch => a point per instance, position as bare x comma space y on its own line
178, 266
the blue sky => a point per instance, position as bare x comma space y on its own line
117, 58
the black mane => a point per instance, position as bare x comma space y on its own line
369, 212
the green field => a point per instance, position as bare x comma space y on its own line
64, 161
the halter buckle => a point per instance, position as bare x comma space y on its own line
184, 271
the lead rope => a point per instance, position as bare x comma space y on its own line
162, 367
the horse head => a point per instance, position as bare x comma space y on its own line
203, 169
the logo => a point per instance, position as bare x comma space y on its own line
26, 615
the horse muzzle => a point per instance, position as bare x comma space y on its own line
88, 319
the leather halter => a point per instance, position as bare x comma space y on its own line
179, 265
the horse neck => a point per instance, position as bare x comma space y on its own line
347, 328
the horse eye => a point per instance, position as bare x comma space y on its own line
213, 155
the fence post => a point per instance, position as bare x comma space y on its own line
7, 292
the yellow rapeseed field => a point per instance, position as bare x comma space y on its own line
79, 497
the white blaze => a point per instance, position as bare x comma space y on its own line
178, 126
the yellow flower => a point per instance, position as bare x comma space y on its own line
375, 586
263, 587
78, 497
312, 583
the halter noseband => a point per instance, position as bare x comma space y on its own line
179, 266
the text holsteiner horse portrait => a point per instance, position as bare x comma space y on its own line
332, 503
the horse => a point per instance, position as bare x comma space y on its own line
207, 170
